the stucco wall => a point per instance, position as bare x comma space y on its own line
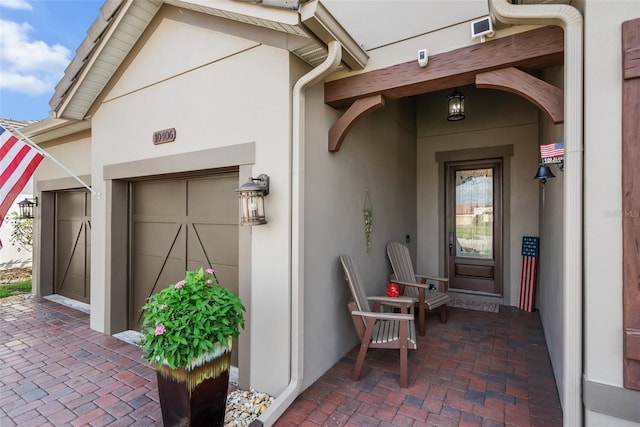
378, 156
12, 255
220, 100
493, 118
602, 217
550, 296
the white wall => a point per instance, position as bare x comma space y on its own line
493, 118
603, 200
377, 155
10, 256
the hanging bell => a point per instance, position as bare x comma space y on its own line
543, 173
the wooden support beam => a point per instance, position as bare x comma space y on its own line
536, 49
547, 97
631, 202
358, 109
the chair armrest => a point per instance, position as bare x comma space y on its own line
414, 284
394, 300
442, 282
383, 316
434, 278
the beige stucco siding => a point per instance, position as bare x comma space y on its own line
74, 152
492, 119
378, 157
217, 104
550, 293
603, 199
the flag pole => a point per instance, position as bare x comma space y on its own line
33, 145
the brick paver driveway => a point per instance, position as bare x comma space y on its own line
54, 370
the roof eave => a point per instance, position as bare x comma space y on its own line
326, 27
121, 23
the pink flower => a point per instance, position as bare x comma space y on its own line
179, 284
163, 306
209, 271
159, 330
209, 282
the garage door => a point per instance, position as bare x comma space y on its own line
72, 244
182, 224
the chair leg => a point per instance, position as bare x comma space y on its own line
421, 321
359, 361
443, 313
404, 354
422, 308
364, 346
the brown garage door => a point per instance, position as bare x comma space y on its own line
182, 224
73, 244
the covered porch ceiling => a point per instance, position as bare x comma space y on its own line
503, 64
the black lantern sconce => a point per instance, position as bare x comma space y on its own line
26, 208
251, 196
543, 173
455, 106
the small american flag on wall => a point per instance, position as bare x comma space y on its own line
555, 149
528, 276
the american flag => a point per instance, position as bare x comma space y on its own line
528, 276
18, 161
555, 149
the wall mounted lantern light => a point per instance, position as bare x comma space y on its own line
251, 196
26, 208
543, 173
455, 106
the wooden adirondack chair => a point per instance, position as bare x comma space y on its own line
415, 285
376, 329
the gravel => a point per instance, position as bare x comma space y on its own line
245, 406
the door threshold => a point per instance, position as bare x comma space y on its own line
474, 293
78, 305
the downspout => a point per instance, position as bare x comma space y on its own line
570, 20
282, 402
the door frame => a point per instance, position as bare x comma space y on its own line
505, 152
498, 244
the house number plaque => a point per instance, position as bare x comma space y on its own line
164, 136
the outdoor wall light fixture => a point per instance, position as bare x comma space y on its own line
251, 196
543, 173
26, 208
455, 104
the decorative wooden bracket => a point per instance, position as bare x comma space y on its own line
545, 96
360, 108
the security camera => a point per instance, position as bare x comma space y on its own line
423, 57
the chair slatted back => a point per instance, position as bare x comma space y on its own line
355, 283
400, 258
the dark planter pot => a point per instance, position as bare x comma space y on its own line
195, 396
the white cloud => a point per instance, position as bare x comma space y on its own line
29, 85
30, 67
15, 4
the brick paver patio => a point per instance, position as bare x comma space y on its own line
480, 369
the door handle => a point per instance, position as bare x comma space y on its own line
451, 243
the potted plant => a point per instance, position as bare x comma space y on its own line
187, 332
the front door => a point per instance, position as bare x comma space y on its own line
474, 226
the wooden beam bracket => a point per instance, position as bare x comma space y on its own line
545, 96
355, 112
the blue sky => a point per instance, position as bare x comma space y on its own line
38, 39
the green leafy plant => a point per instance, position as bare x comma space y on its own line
21, 232
185, 321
